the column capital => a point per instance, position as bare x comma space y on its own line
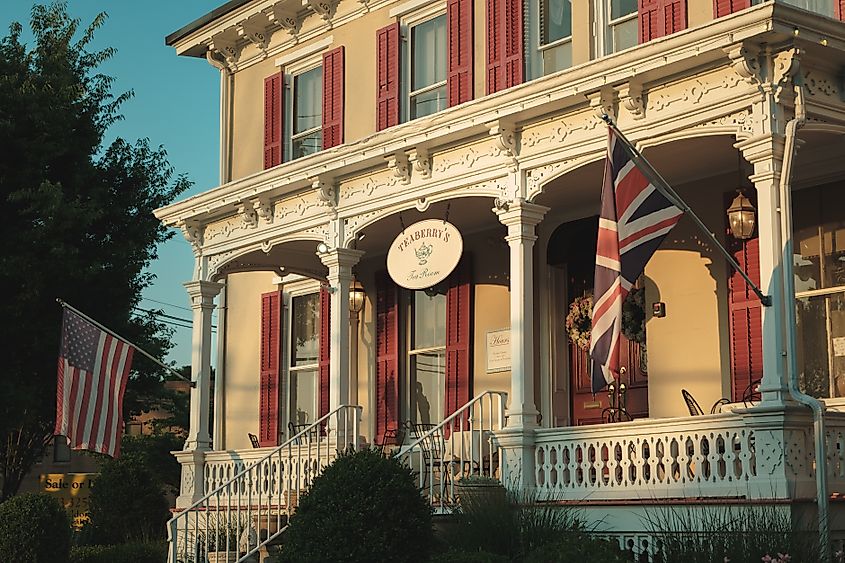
340, 257
520, 213
762, 147
202, 292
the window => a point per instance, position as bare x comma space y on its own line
304, 356
427, 68
426, 355
823, 7
306, 112
556, 34
819, 262
617, 22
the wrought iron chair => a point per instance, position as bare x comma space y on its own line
717, 406
391, 437
615, 414
308, 438
692, 404
253, 439
751, 393
432, 450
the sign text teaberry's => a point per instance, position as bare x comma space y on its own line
424, 254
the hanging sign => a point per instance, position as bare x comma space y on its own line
424, 254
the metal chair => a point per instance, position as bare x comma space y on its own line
253, 439
716, 408
751, 393
391, 437
295, 429
692, 404
615, 414
432, 450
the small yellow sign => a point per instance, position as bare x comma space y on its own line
74, 490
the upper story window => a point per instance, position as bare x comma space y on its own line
306, 136
427, 68
304, 358
426, 356
617, 25
556, 34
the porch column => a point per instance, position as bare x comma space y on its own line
339, 262
765, 152
218, 431
520, 217
192, 458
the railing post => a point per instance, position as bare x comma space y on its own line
192, 484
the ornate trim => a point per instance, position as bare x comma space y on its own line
248, 214
324, 8
285, 18
421, 160
227, 46
745, 61
256, 32
192, 231
632, 96
398, 162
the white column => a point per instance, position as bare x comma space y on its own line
339, 262
765, 152
219, 416
521, 218
202, 295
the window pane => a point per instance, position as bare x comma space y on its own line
557, 58
625, 35
307, 144
821, 345
557, 20
819, 228
428, 373
305, 344
429, 320
824, 7
619, 8
428, 102
303, 386
308, 100
428, 53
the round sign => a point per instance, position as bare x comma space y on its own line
424, 254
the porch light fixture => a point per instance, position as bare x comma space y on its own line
322, 248
741, 217
356, 297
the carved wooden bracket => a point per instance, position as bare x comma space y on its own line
631, 96
285, 18
248, 214
324, 8
227, 45
507, 140
785, 67
745, 61
602, 101
192, 231
421, 160
401, 167
255, 31
326, 190
263, 208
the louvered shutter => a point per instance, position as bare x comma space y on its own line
745, 312
387, 356
674, 16
513, 43
325, 350
495, 47
458, 334
660, 17
273, 86
504, 44
459, 32
333, 98
387, 62
839, 9
725, 7
268, 407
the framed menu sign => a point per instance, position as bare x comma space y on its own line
499, 350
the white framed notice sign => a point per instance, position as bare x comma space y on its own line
499, 350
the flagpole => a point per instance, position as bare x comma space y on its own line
104, 329
663, 186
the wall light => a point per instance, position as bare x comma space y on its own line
356, 297
741, 217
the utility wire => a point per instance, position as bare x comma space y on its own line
165, 303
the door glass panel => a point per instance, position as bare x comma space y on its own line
821, 343
305, 330
304, 396
428, 374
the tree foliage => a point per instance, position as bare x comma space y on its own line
75, 219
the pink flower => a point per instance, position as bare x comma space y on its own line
768, 559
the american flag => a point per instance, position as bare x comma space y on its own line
635, 218
93, 369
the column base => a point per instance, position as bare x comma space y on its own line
517, 458
192, 483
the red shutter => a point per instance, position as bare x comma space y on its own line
458, 334
333, 98
725, 7
513, 43
495, 46
745, 312
387, 356
661, 17
387, 62
325, 349
268, 407
459, 31
839, 9
273, 120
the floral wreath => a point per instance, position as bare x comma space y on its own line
579, 320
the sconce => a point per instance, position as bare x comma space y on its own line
741, 217
356, 297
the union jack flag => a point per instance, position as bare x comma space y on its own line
635, 218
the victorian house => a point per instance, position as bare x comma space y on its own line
346, 124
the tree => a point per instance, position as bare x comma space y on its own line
75, 220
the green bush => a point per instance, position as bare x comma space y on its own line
125, 553
370, 505
126, 505
34, 528
577, 546
455, 556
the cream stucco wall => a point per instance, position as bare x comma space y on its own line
242, 367
688, 348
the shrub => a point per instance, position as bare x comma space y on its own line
578, 546
34, 528
455, 556
126, 505
125, 553
370, 504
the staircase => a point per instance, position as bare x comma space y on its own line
249, 510
461, 446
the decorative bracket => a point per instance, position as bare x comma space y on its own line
631, 96
506, 137
326, 190
785, 67
263, 208
745, 61
401, 166
421, 160
192, 231
227, 46
248, 214
324, 8
501, 204
256, 32
602, 101
285, 18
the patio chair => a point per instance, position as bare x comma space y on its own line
716, 408
391, 437
295, 429
253, 439
432, 450
751, 393
692, 404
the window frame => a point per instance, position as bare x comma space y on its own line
296, 291
408, 308
291, 72
406, 25
604, 26
543, 47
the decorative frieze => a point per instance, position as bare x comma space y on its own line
193, 233
401, 167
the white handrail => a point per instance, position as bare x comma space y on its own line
251, 508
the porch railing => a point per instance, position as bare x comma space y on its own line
703, 456
250, 500
464, 444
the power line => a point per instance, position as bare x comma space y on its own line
165, 303
161, 316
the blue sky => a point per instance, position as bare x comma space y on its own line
176, 104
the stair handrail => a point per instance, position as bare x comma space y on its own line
290, 442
